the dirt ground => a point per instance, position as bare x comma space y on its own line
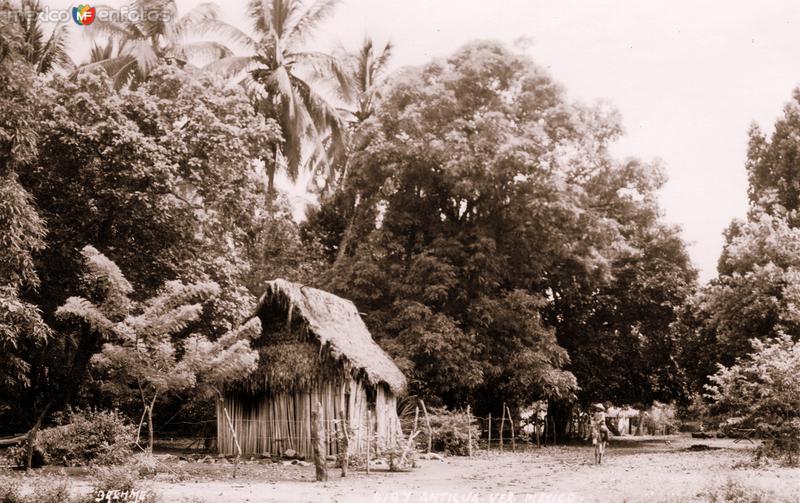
657, 469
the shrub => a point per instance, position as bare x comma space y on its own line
762, 392
18, 454
122, 482
450, 432
113, 484
44, 491
660, 419
82, 437
733, 492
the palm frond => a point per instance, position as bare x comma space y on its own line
144, 54
284, 15
54, 53
199, 14
310, 20
260, 11
202, 51
329, 130
228, 32
231, 66
111, 28
326, 66
100, 53
120, 69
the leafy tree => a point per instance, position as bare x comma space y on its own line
772, 164
22, 230
281, 70
44, 53
156, 35
140, 355
756, 295
495, 238
164, 179
761, 391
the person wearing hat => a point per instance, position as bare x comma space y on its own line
599, 428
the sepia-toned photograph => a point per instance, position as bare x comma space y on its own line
399, 251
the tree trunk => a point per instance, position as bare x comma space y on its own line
89, 344
32, 436
271, 165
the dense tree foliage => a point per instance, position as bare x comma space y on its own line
22, 230
492, 230
772, 165
163, 178
761, 391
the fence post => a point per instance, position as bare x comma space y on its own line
502, 425
489, 443
318, 442
469, 432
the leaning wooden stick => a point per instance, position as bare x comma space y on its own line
428, 424
409, 447
235, 440
513, 439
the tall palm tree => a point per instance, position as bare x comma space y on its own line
368, 68
136, 45
44, 54
284, 79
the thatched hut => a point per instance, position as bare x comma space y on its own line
314, 346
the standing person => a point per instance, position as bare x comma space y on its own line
599, 428
599, 432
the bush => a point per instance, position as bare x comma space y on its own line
111, 482
43, 492
733, 492
122, 482
450, 432
762, 392
18, 454
660, 419
82, 437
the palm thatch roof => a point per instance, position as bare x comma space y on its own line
335, 323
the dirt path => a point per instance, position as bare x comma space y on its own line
635, 470
659, 469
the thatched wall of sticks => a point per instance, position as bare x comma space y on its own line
314, 347
273, 423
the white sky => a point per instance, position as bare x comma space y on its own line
687, 76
